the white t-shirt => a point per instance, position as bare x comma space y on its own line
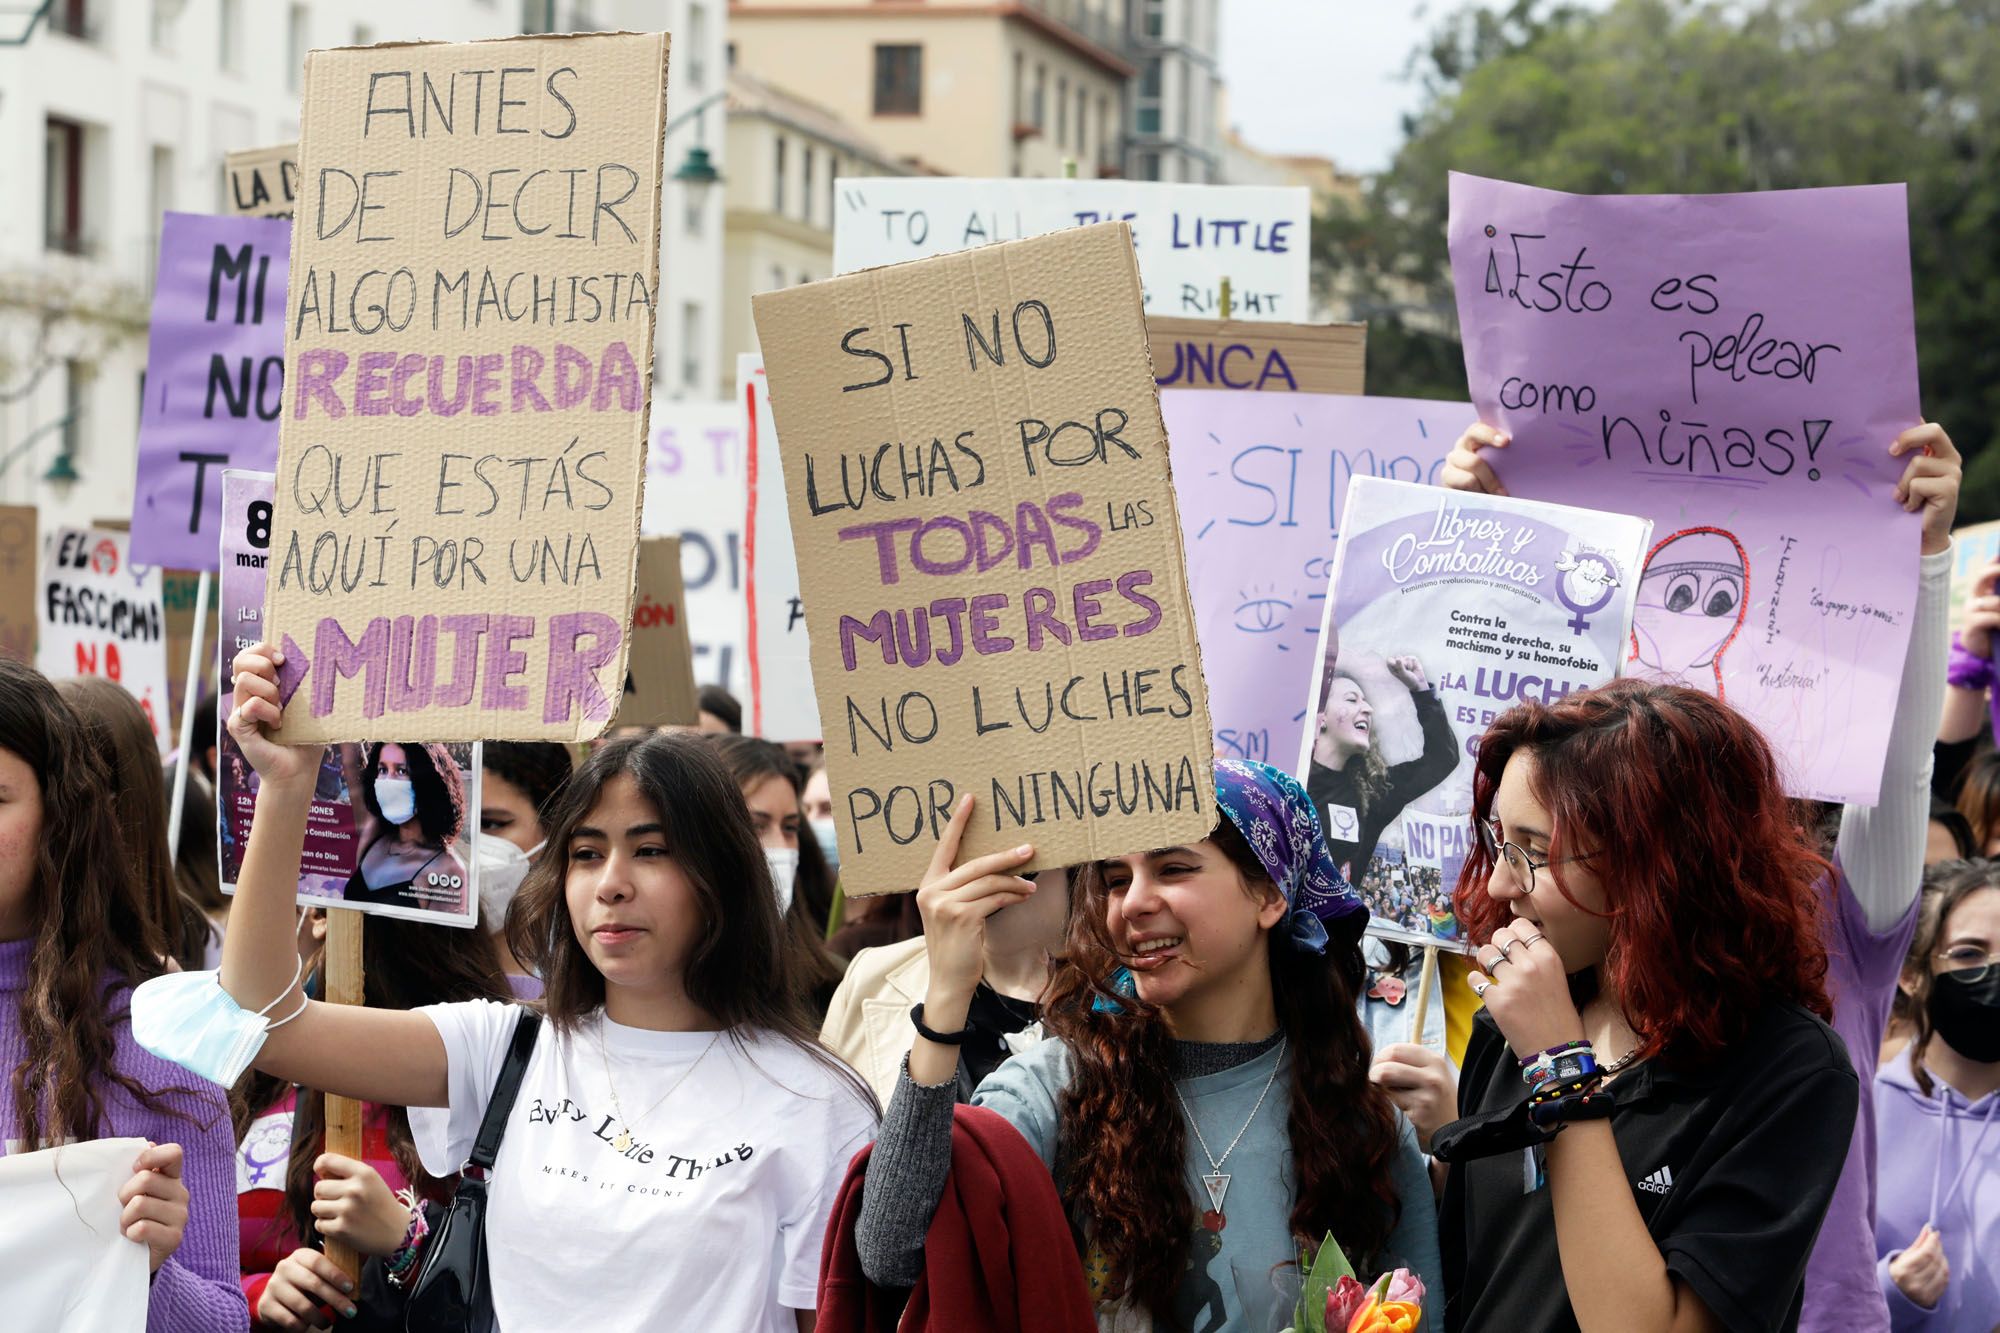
710, 1218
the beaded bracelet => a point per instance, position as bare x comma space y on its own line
1562, 1088
401, 1266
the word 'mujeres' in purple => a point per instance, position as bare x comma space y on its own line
944, 629
412, 384
396, 661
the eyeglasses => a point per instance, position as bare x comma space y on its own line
1966, 958
1516, 856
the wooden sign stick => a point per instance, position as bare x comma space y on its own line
1426, 983
343, 976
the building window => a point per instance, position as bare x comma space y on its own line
1149, 166
76, 388
1153, 17
690, 345
165, 14
1082, 122
1062, 112
296, 46
697, 53
229, 32
832, 188
160, 188
806, 190
899, 80
778, 175
364, 35
71, 18
62, 186
692, 214
777, 278
804, 278
1037, 109
1146, 110
1020, 87
1103, 132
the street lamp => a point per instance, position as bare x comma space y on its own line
697, 174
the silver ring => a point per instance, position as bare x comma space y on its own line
1507, 951
1530, 940
1480, 988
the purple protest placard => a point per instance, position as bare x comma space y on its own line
1262, 480
215, 378
1734, 367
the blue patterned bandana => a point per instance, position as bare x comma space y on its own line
1275, 816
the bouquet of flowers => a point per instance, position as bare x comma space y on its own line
1336, 1301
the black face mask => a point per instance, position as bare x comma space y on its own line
1965, 1011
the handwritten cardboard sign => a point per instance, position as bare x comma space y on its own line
781, 704
989, 553
100, 615
1262, 480
1445, 610
19, 554
659, 689
263, 182
468, 369
697, 488
1262, 356
415, 860
1189, 237
1734, 367
215, 378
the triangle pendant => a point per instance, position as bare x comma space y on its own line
1217, 1186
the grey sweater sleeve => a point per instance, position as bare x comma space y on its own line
905, 1180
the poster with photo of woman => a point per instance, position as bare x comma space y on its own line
1443, 611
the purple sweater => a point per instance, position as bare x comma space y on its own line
196, 1290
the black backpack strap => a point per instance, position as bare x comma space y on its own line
506, 1088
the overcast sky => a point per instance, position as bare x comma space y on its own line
1324, 76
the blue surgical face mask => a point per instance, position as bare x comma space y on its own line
187, 1017
397, 799
829, 842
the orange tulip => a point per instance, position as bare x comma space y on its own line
1386, 1317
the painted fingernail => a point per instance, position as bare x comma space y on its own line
351, 1312
346, 1285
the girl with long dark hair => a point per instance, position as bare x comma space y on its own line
292, 1192
679, 1134
1203, 1103
77, 932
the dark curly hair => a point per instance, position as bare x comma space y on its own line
1122, 1141
91, 922
438, 785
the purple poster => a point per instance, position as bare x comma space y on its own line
1446, 610
215, 378
1261, 479
392, 824
1734, 367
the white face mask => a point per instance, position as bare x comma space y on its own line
784, 863
502, 867
397, 799
187, 1017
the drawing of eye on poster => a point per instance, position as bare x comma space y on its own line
1734, 367
1261, 479
392, 824
1446, 609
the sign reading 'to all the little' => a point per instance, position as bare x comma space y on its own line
467, 376
997, 600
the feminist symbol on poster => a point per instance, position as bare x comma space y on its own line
392, 824
1692, 359
1445, 610
467, 366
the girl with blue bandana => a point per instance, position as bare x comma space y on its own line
1204, 1103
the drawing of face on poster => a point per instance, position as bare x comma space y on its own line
1692, 597
411, 842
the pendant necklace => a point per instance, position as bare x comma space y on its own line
1216, 1181
623, 1142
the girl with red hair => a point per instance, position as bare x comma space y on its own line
1660, 1127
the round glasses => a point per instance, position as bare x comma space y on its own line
1968, 958
1516, 856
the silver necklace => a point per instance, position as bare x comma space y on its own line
1216, 1182
624, 1139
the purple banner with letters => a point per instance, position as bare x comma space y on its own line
1734, 367
1262, 479
215, 378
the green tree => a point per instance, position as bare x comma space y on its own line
1684, 96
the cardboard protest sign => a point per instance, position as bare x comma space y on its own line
1189, 237
1973, 547
697, 489
659, 688
215, 378
263, 182
99, 614
1262, 480
1446, 609
19, 554
1260, 356
468, 366
781, 705
391, 825
996, 594
1734, 367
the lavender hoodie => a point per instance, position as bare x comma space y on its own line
197, 1288
1939, 1163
